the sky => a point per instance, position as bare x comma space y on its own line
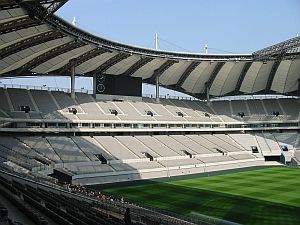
237, 26
226, 26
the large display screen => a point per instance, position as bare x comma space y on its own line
118, 85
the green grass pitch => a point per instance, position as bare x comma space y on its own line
260, 196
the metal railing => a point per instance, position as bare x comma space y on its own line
45, 88
167, 96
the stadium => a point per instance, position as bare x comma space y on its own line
72, 157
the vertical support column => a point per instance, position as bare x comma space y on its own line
157, 89
72, 62
157, 77
94, 85
298, 91
207, 93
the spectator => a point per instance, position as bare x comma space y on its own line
127, 218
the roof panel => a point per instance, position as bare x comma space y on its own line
147, 70
5, 38
5, 14
122, 66
3, 64
14, 41
94, 63
65, 58
193, 77
291, 83
9, 19
43, 67
17, 64
19, 34
39, 47
261, 80
281, 76
203, 77
42, 48
8, 61
232, 78
16, 12
43, 28
57, 42
219, 81
249, 80
15, 57
25, 53
173, 73
32, 30
36, 49
8, 37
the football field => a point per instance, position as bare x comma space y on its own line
260, 196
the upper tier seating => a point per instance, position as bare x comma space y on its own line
162, 113
57, 105
4, 105
20, 98
46, 104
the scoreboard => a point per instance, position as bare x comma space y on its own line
118, 85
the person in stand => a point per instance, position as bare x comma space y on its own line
127, 218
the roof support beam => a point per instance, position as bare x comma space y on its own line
213, 76
186, 73
272, 74
139, 64
241, 77
277, 49
47, 56
298, 90
8, 5
80, 59
54, 6
29, 42
109, 63
160, 71
50, 6
17, 24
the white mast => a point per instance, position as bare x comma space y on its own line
74, 21
206, 49
156, 41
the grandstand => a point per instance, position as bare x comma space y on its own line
118, 135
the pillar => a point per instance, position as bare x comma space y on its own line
157, 89
95, 85
298, 91
207, 93
72, 79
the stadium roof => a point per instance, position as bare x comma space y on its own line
34, 41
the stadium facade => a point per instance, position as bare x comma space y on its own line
117, 135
